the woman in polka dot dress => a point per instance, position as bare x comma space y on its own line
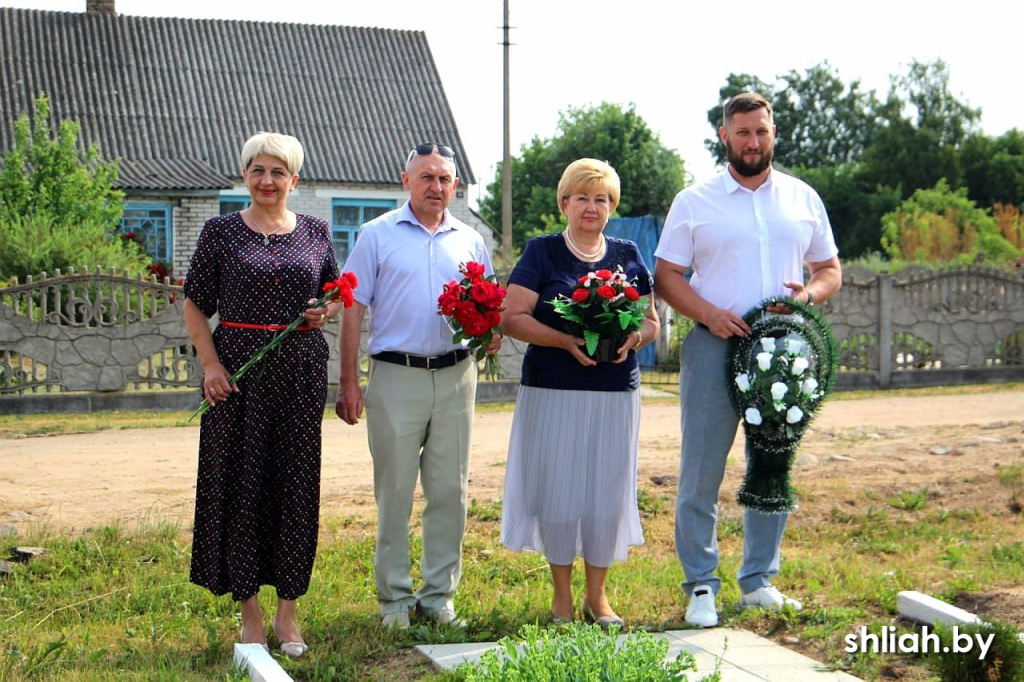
258, 489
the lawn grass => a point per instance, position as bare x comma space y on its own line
116, 603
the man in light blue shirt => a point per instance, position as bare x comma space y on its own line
422, 388
746, 233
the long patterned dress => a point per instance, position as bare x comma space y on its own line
258, 489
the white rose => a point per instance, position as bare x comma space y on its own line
794, 415
809, 386
764, 361
779, 389
753, 416
800, 365
793, 346
743, 381
768, 343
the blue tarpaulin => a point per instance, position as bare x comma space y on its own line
645, 231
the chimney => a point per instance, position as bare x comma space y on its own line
100, 7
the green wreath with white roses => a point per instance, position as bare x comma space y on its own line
778, 375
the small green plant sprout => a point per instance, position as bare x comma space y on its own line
910, 500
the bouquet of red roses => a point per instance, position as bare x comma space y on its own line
337, 290
473, 308
603, 305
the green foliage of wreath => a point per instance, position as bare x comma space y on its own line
773, 425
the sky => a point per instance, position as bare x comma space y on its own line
667, 58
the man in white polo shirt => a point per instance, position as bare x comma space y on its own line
422, 389
746, 234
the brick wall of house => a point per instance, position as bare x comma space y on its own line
191, 213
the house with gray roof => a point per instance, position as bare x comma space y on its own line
173, 100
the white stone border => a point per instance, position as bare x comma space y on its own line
260, 665
925, 609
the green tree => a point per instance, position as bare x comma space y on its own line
819, 120
58, 204
923, 127
993, 168
940, 224
650, 173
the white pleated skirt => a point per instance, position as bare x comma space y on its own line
570, 484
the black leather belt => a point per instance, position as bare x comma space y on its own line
420, 362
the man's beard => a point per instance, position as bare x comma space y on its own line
749, 170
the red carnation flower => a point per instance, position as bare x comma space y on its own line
631, 293
604, 274
606, 291
580, 295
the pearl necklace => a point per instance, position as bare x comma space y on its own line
267, 235
580, 252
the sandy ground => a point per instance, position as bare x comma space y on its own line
76, 482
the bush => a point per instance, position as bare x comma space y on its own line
943, 225
1004, 661
58, 204
581, 652
35, 243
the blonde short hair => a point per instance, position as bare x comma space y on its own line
284, 147
588, 175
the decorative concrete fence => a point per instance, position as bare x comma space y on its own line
920, 327
93, 332
100, 340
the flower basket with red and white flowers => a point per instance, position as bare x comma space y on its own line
473, 307
337, 290
603, 305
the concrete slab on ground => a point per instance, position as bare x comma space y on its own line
743, 656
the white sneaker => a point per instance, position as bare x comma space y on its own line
444, 616
701, 610
398, 620
770, 598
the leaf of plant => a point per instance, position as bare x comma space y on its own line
591, 338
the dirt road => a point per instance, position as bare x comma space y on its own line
80, 481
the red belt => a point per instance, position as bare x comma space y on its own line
304, 327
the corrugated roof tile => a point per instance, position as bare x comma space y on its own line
145, 88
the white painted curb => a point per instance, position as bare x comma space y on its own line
925, 609
260, 664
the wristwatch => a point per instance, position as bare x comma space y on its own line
810, 297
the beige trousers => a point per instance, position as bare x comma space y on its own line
419, 424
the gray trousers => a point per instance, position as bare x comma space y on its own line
419, 423
708, 430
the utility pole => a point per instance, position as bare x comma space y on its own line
506, 163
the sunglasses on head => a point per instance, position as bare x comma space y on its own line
428, 148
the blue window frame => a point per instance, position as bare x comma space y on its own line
230, 204
346, 217
150, 225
